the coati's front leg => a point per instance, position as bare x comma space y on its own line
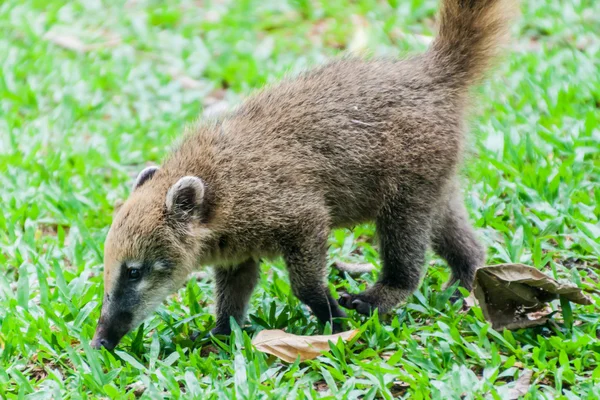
404, 234
234, 286
306, 263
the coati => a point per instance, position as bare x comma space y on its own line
351, 141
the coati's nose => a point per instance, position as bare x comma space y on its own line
107, 336
98, 343
109, 331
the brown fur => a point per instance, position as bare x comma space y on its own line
348, 142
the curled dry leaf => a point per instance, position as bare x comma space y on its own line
514, 296
521, 385
353, 269
288, 346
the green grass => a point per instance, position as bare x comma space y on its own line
75, 126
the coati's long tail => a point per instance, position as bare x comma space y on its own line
470, 35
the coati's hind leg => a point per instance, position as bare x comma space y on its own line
404, 233
233, 287
454, 240
305, 258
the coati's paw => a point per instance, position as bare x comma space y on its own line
221, 331
356, 302
456, 296
218, 331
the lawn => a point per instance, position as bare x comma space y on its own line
92, 91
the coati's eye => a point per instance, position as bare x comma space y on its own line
134, 274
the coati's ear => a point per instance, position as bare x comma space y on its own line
143, 176
185, 197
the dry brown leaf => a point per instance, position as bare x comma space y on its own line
514, 296
521, 386
353, 269
288, 346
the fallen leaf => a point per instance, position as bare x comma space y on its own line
353, 269
521, 385
512, 295
288, 346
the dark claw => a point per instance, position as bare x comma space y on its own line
354, 302
362, 307
345, 300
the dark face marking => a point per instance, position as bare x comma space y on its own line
119, 308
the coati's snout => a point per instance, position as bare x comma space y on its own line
146, 254
122, 305
111, 329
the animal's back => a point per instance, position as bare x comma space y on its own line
352, 131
